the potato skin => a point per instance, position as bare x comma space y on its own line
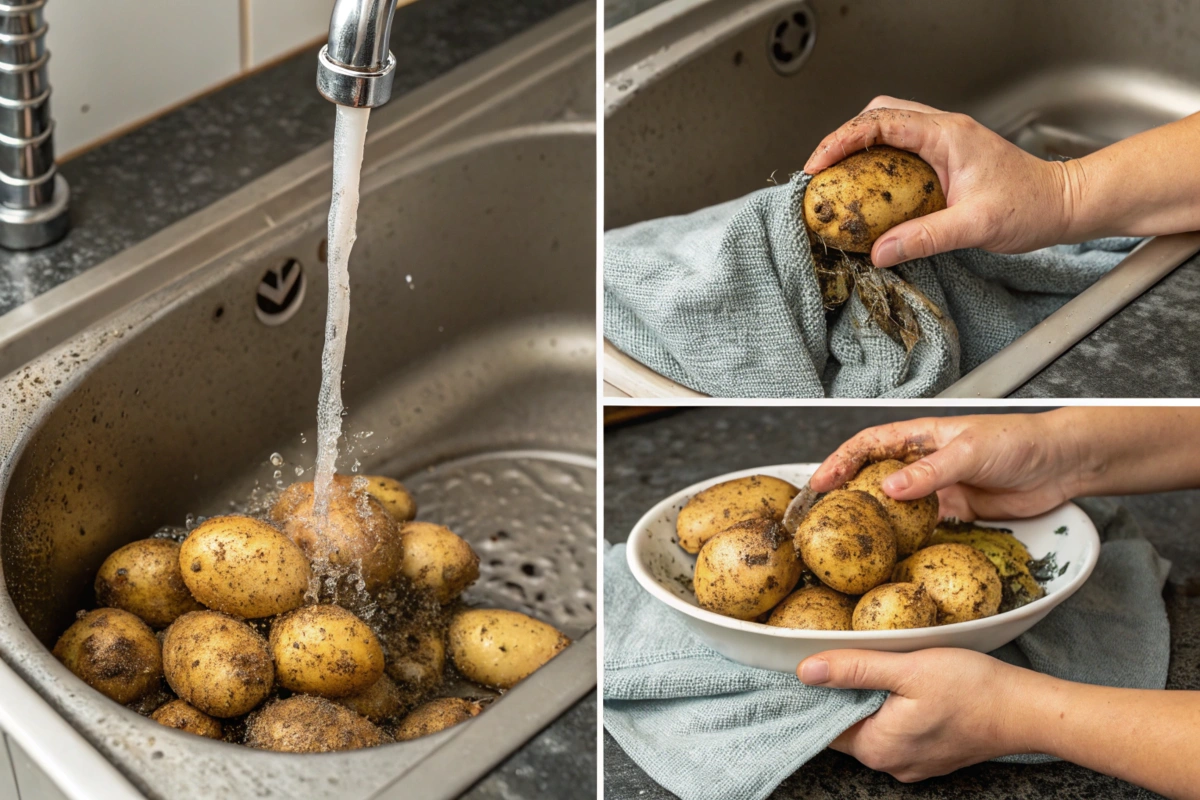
499, 648
745, 570
434, 716
416, 657
895, 606
720, 506
437, 560
393, 496
962, 582
380, 701
114, 652
306, 724
217, 663
848, 542
243, 567
814, 608
854, 202
182, 717
143, 578
913, 521
325, 650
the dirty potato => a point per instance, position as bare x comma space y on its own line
848, 542
895, 606
143, 578
962, 582
380, 701
913, 521
851, 204
416, 656
717, 507
814, 608
436, 715
217, 663
183, 717
393, 496
437, 560
114, 652
244, 567
745, 570
358, 532
499, 648
306, 724
325, 650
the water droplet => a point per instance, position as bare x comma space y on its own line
299, 471
278, 474
409, 280
276, 460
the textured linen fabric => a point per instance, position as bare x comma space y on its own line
705, 727
725, 301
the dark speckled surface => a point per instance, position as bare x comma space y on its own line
646, 460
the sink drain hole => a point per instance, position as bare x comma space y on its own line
791, 40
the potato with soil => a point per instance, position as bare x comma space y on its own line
852, 203
216, 663
913, 521
114, 652
358, 533
393, 496
143, 578
814, 608
243, 567
895, 606
962, 582
499, 648
325, 650
745, 570
437, 560
718, 507
436, 715
848, 542
415, 656
182, 717
306, 724
380, 701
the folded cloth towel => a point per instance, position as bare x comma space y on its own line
706, 727
725, 301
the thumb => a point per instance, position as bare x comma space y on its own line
856, 669
938, 470
940, 232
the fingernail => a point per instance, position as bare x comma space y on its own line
891, 252
897, 482
814, 672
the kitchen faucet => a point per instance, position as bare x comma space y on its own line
356, 68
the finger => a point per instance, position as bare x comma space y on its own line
857, 669
887, 101
908, 130
902, 441
848, 739
953, 228
954, 463
954, 502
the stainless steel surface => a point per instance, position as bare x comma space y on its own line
356, 68
697, 115
481, 189
28, 180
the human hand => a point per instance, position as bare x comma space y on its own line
998, 197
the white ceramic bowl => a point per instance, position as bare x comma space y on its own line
665, 571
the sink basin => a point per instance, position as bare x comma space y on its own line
708, 100
181, 378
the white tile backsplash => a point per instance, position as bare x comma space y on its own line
277, 27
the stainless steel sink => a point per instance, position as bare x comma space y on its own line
162, 382
708, 100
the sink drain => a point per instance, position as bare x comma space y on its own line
791, 39
279, 293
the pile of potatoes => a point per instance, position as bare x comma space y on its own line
858, 560
221, 635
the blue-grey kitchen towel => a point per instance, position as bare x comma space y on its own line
706, 727
725, 301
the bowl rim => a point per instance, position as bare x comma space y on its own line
1037, 609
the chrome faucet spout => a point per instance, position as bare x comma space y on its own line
355, 68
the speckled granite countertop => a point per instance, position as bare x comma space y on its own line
134, 186
645, 461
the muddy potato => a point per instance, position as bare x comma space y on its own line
499, 648
306, 724
180, 716
745, 570
437, 560
244, 567
815, 608
895, 606
913, 521
851, 204
217, 663
114, 652
717, 507
359, 532
416, 657
962, 582
143, 578
848, 542
434, 716
325, 650
380, 701
393, 496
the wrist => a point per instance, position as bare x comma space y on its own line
1075, 219
1070, 449
1038, 714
